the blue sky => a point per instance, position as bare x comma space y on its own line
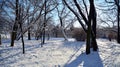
76, 24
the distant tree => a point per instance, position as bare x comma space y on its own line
49, 6
4, 21
114, 6
55, 31
62, 15
78, 34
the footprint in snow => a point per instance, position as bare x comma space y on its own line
35, 56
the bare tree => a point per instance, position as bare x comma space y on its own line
15, 27
62, 15
31, 16
91, 33
92, 19
114, 7
47, 10
44, 24
117, 2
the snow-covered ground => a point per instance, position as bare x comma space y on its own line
59, 53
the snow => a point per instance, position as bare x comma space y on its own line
59, 53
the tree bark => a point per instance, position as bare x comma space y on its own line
64, 35
88, 37
94, 43
118, 20
63, 32
22, 39
93, 20
43, 41
0, 40
29, 34
15, 27
88, 42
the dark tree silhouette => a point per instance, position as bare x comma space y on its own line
44, 24
118, 20
15, 27
90, 22
92, 19
29, 32
20, 24
0, 40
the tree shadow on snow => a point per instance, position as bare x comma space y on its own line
72, 44
14, 56
83, 60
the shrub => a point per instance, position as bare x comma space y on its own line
79, 34
112, 35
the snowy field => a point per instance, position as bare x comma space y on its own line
59, 53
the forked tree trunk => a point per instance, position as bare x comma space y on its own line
63, 32
90, 33
88, 42
61, 23
93, 20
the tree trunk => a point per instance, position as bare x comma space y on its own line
64, 35
63, 32
88, 38
90, 17
43, 41
29, 36
13, 34
0, 40
20, 15
56, 34
94, 43
22, 39
118, 20
89, 30
23, 44
93, 20
15, 27
48, 36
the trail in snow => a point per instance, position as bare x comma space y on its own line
57, 52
